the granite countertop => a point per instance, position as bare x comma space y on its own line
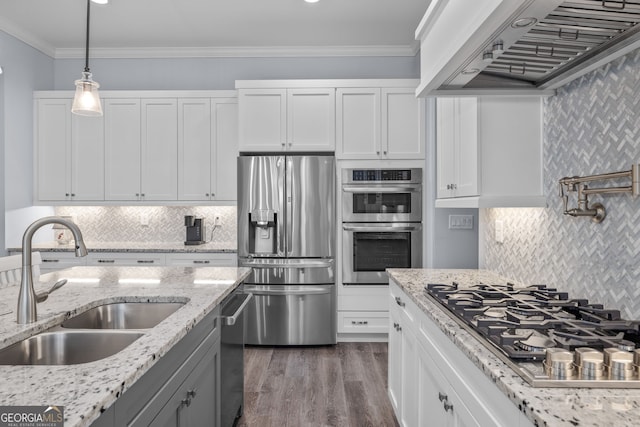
212, 247
85, 389
543, 406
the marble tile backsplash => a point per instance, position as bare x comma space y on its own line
165, 223
591, 126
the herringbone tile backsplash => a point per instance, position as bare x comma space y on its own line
165, 223
591, 126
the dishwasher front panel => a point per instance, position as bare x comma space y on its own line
291, 314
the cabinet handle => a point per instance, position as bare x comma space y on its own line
201, 261
192, 393
399, 302
397, 327
107, 261
145, 261
186, 402
50, 260
454, 186
359, 322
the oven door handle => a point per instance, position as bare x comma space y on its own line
381, 189
308, 290
386, 227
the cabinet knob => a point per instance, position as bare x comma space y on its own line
378, 153
192, 393
137, 194
213, 194
454, 186
141, 194
448, 406
384, 152
66, 194
442, 397
399, 302
206, 194
186, 402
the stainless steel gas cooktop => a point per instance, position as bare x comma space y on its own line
547, 338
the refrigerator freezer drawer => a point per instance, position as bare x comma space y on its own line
270, 314
290, 272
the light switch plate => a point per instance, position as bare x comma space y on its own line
460, 222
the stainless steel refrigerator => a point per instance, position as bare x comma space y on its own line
286, 234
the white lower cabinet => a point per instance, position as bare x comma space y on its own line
52, 261
202, 259
363, 313
123, 258
432, 382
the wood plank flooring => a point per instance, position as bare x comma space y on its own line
343, 385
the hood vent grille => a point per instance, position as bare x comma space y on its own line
573, 33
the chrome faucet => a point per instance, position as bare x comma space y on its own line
27, 312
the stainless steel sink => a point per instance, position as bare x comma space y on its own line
67, 347
125, 315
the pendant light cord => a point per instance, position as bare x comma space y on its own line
86, 53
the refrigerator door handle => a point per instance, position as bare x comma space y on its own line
231, 320
306, 290
303, 264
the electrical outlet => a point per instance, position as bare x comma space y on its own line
499, 229
460, 222
216, 221
144, 220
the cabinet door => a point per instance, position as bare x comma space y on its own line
439, 403
122, 149
311, 119
194, 149
446, 146
467, 182
202, 389
262, 118
53, 136
225, 149
87, 158
395, 360
159, 149
402, 124
358, 123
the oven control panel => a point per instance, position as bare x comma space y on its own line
387, 176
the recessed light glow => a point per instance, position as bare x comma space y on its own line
311, 1
86, 280
213, 282
139, 281
100, 1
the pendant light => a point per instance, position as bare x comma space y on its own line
86, 101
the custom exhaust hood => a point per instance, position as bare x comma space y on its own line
526, 44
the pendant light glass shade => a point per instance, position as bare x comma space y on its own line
86, 101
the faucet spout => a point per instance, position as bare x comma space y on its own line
27, 300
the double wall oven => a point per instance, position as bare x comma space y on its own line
381, 223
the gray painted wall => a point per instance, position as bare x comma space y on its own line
221, 73
591, 126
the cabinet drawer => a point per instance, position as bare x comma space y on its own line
202, 260
52, 261
138, 259
363, 322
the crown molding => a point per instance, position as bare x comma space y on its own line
238, 52
26, 37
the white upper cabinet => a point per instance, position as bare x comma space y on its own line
122, 149
159, 150
379, 123
489, 152
280, 119
69, 154
207, 148
150, 146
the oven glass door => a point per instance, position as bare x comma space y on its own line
382, 203
369, 249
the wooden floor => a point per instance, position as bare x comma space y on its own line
342, 385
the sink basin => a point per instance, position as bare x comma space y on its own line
67, 347
124, 315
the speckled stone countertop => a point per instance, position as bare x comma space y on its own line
84, 389
212, 247
543, 406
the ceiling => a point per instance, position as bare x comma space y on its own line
203, 28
